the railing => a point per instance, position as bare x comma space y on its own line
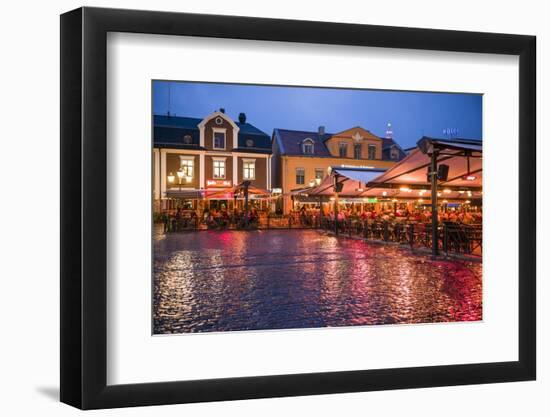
173, 223
452, 237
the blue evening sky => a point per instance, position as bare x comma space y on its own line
412, 114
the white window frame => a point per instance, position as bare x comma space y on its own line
319, 170
303, 176
184, 164
355, 147
219, 130
308, 142
368, 151
224, 167
340, 146
249, 161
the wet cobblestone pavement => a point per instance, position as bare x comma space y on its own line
278, 279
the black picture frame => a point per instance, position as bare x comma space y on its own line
84, 207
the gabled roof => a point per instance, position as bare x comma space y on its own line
290, 142
356, 129
170, 130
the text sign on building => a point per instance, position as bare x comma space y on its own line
218, 183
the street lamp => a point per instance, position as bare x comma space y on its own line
180, 176
171, 178
311, 183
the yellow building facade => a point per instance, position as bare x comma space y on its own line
301, 159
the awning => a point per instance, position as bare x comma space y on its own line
363, 175
257, 191
353, 181
463, 159
219, 193
185, 194
408, 178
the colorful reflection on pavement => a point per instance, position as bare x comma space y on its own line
215, 281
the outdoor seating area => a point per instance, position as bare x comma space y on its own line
431, 198
394, 205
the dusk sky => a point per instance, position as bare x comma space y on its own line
411, 114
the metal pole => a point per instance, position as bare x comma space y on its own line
335, 205
320, 212
435, 223
246, 184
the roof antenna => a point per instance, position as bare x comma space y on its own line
389, 131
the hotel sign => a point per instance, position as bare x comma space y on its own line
218, 183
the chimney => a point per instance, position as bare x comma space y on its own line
321, 130
222, 110
242, 118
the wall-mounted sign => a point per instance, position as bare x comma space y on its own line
276, 190
218, 183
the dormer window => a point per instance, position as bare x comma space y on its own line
307, 147
394, 152
188, 139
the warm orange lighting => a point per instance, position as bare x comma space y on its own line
447, 191
171, 178
384, 193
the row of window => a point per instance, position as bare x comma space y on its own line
301, 175
308, 149
219, 141
218, 168
357, 150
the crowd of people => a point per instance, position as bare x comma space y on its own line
213, 219
420, 215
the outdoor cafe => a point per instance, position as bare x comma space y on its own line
433, 197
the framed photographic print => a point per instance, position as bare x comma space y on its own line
255, 208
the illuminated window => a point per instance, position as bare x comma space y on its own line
343, 149
219, 140
187, 166
249, 169
300, 176
357, 151
218, 167
372, 151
